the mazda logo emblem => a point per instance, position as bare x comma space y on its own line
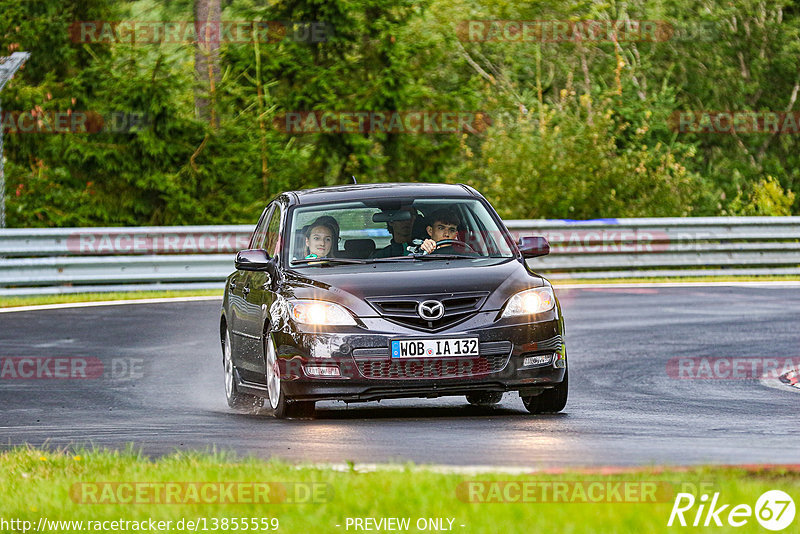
431, 310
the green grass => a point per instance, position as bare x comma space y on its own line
54, 484
8, 302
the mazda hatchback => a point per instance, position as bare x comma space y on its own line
367, 292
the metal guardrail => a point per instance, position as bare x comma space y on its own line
647, 247
60, 260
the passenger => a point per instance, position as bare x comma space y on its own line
401, 236
321, 236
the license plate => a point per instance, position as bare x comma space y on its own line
434, 348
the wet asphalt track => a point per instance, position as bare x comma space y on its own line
623, 409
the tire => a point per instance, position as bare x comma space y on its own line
232, 395
276, 402
485, 398
550, 400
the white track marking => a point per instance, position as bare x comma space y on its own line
67, 305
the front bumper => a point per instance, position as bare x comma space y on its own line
366, 370
356, 390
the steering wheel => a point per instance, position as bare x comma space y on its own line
446, 242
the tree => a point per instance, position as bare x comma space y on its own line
207, 16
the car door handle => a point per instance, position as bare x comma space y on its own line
232, 286
266, 286
246, 290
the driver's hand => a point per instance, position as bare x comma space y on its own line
429, 245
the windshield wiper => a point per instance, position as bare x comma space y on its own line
328, 261
390, 259
423, 257
426, 257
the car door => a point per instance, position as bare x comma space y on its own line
245, 346
259, 296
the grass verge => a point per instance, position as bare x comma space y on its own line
89, 486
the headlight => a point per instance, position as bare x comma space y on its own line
530, 302
318, 312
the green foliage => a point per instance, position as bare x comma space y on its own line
765, 197
568, 162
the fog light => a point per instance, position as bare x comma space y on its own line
561, 358
321, 370
543, 359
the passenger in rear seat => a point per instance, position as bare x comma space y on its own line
402, 237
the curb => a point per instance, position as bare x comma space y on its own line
792, 378
603, 470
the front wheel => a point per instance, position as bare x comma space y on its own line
232, 395
276, 402
550, 400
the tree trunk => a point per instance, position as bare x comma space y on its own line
206, 57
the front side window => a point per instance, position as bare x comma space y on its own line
271, 241
375, 229
260, 233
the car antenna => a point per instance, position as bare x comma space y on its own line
354, 180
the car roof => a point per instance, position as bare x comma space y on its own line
382, 190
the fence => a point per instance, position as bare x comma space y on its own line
108, 259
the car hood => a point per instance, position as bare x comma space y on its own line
351, 284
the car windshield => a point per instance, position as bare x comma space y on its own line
394, 230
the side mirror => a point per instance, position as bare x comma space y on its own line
532, 247
253, 260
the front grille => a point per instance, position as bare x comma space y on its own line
403, 309
375, 363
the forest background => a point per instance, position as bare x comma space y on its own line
574, 128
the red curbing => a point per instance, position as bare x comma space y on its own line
792, 378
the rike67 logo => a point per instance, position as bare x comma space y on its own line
774, 510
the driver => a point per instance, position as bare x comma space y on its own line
443, 225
